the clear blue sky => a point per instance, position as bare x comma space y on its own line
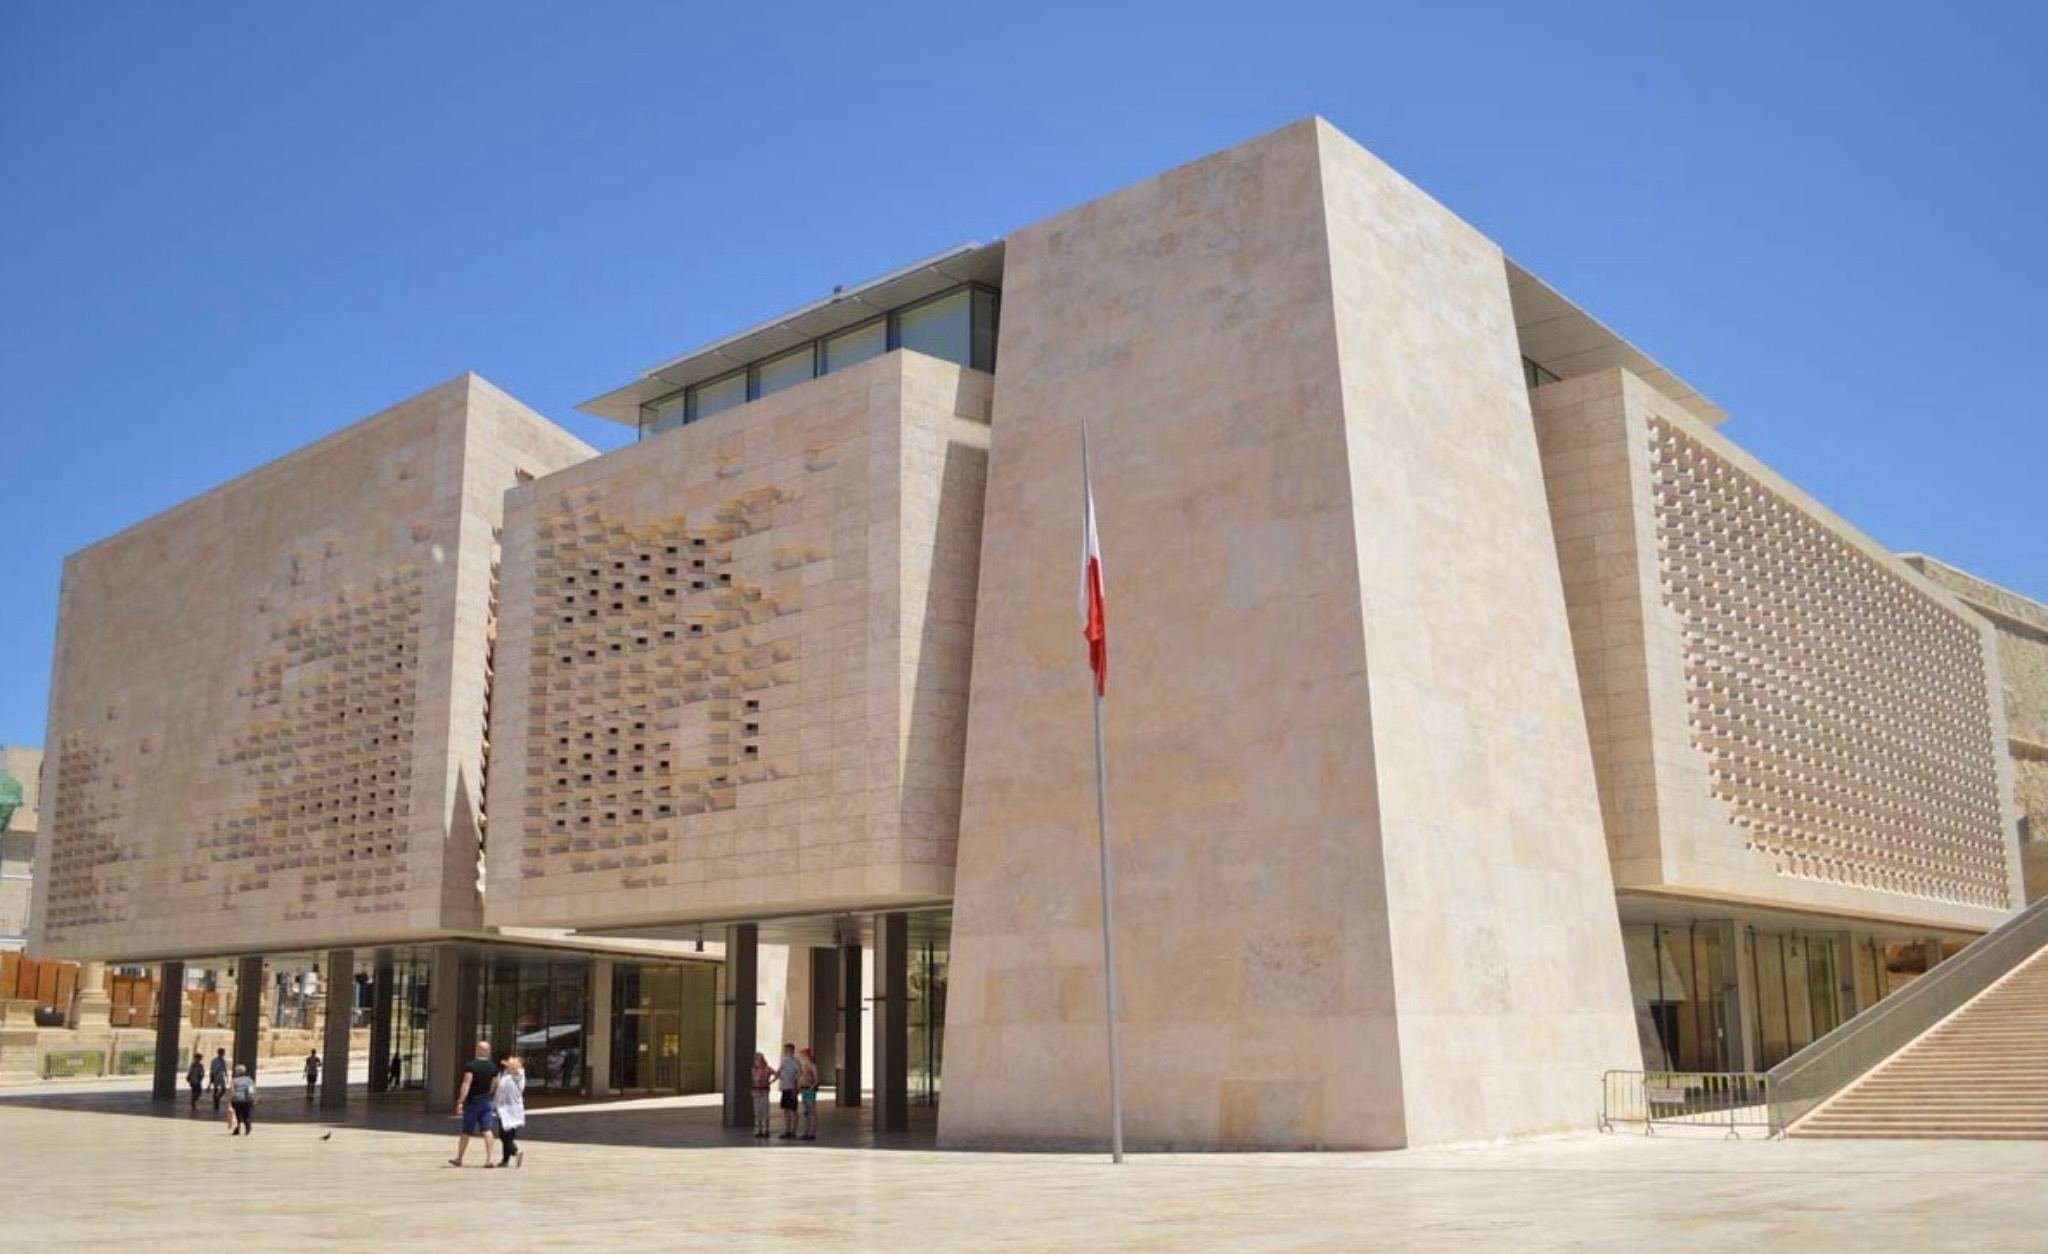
228, 229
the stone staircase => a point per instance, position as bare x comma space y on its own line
1980, 1074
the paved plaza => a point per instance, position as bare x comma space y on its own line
98, 1164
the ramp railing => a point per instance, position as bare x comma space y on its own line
1829, 1065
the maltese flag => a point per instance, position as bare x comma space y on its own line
1094, 621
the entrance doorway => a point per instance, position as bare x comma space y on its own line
662, 1029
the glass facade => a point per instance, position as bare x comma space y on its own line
663, 1034
929, 959
536, 1007
1690, 991
957, 325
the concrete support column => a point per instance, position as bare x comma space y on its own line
341, 1004
1845, 976
90, 1005
892, 1022
1739, 989
446, 1050
380, 1026
170, 1009
597, 1036
848, 1086
248, 1011
742, 991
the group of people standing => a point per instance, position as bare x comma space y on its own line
797, 1076
492, 1102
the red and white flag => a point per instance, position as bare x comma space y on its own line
1094, 612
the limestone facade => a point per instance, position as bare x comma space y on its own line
267, 719
732, 673
1362, 898
18, 843
1782, 713
2021, 624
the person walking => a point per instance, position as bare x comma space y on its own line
508, 1107
242, 1103
786, 1076
807, 1091
195, 1077
396, 1075
473, 1102
312, 1072
217, 1077
761, 1077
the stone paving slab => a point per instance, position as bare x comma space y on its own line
90, 1170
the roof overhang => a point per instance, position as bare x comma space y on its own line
846, 306
1568, 341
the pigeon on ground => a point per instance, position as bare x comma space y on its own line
327, 1136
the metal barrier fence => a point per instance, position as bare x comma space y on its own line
1697, 1099
1827, 1066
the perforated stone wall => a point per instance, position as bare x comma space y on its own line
733, 662
89, 871
330, 755
271, 698
2021, 624
1781, 712
1841, 709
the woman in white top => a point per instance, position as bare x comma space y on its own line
508, 1107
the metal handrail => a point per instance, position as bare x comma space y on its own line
1827, 1066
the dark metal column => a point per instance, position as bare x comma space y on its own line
248, 1011
341, 1007
892, 1022
380, 1027
742, 991
847, 1091
170, 1009
824, 1033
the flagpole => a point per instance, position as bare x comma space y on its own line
1116, 1069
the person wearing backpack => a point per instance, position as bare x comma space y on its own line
195, 1077
242, 1102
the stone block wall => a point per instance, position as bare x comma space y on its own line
1362, 897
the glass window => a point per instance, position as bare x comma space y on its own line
787, 370
985, 305
852, 347
662, 414
941, 328
718, 395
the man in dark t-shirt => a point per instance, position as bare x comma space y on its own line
473, 1102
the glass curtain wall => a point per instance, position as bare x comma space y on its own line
1681, 981
929, 958
406, 1068
1798, 992
958, 325
663, 1028
536, 1007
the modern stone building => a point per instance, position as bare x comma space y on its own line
1481, 719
